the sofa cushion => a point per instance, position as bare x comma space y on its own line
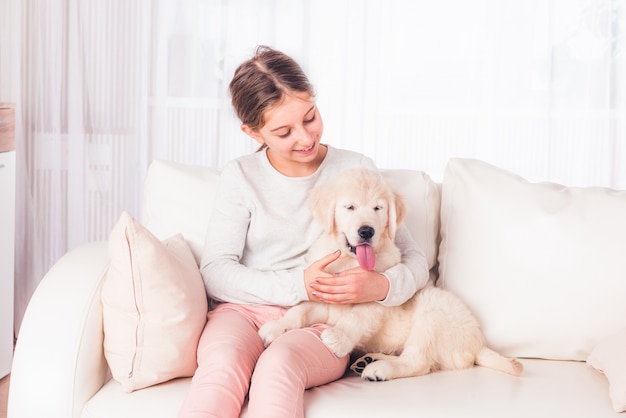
547, 389
541, 265
154, 307
423, 200
178, 198
609, 357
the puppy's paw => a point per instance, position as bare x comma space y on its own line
270, 331
337, 342
359, 365
373, 369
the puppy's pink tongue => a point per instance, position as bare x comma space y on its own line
365, 256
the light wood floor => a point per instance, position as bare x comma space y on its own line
4, 393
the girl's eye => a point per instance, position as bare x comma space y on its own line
307, 121
285, 135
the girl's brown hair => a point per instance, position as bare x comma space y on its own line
264, 80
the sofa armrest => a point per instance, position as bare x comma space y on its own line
59, 361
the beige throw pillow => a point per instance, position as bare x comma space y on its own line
154, 307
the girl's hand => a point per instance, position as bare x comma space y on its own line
316, 271
355, 285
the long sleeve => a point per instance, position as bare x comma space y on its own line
409, 276
230, 269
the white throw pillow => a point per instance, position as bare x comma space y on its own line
154, 307
542, 265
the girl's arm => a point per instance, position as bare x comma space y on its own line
225, 277
409, 276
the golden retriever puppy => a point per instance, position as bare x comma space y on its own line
433, 330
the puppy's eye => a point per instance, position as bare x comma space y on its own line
377, 208
350, 207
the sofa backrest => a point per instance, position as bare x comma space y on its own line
540, 265
178, 198
422, 197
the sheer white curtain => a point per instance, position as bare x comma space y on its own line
103, 88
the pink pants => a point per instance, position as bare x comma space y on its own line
232, 363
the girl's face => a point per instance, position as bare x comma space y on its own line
292, 132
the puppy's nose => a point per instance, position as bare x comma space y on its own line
366, 232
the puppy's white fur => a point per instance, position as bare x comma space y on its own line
434, 330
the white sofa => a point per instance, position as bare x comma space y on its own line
540, 264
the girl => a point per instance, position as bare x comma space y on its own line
253, 260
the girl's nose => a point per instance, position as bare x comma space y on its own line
305, 137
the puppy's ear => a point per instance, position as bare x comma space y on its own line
397, 211
322, 206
